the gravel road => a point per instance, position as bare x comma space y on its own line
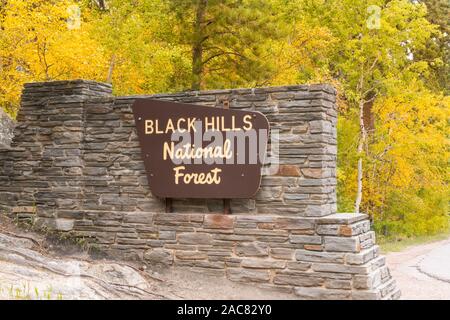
422, 272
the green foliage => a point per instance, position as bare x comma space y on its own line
437, 49
400, 243
421, 213
24, 292
230, 40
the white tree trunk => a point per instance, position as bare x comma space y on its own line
111, 68
362, 141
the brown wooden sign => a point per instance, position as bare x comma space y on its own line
192, 151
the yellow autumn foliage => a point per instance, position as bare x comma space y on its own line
144, 46
406, 177
38, 43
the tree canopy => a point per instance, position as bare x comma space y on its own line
389, 60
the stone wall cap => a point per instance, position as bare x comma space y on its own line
342, 218
336, 218
258, 90
65, 82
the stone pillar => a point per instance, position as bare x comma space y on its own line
47, 149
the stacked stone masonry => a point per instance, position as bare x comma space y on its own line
75, 165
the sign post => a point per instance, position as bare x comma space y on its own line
226, 202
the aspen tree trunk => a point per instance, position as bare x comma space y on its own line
101, 4
111, 69
197, 46
362, 141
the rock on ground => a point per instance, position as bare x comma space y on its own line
28, 274
6, 129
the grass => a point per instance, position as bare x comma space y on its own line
399, 244
61, 239
24, 292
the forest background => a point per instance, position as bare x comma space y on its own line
389, 61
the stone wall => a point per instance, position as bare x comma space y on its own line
6, 129
75, 165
